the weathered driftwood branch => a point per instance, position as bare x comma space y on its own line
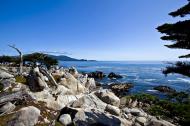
7, 110
13, 97
20, 55
49, 76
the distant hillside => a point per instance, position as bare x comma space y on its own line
66, 58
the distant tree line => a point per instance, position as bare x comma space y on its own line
34, 58
179, 34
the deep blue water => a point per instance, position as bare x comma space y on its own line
144, 75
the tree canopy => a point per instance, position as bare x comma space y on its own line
34, 58
179, 34
41, 58
183, 11
7, 59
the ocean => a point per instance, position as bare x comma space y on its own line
144, 75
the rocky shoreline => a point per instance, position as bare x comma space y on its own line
66, 97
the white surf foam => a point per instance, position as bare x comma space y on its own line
151, 90
149, 80
173, 80
184, 80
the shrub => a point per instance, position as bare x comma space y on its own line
21, 79
176, 110
176, 107
145, 98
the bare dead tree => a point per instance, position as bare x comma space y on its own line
20, 55
49, 76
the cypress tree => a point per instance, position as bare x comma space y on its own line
179, 34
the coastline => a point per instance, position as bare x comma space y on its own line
144, 75
70, 96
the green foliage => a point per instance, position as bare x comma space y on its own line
179, 34
48, 61
5, 59
178, 67
156, 110
8, 59
180, 97
176, 106
128, 98
41, 58
58, 123
169, 109
21, 79
145, 98
33, 58
182, 11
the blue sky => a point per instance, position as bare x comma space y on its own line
91, 29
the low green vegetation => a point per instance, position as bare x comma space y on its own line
58, 123
180, 97
175, 106
21, 79
57, 78
145, 98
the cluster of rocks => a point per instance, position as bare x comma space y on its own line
100, 75
120, 89
66, 97
113, 75
165, 89
140, 118
134, 103
97, 75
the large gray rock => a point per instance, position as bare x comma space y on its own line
73, 71
3, 68
60, 89
89, 101
113, 110
134, 104
94, 117
63, 100
108, 97
155, 122
135, 111
20, 87
82, 79
54, 98
7, 83
36, 80
65, 119
141, 120
90, 84
5, 75
72, 83
137, 124
14, 70
27, 116
87, 118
